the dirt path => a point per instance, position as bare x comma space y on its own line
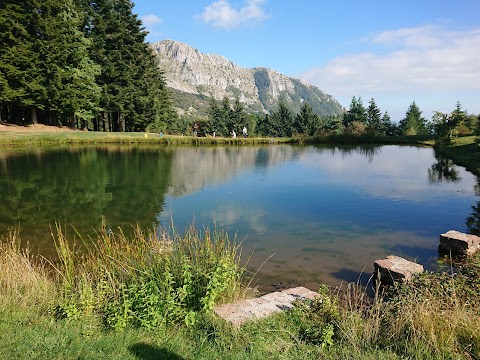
34, 128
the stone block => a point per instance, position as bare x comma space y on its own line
457, 243
244, 310
395, 268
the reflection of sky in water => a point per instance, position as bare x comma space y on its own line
328, 214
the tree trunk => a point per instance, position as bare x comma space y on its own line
9, 114
115, 121
120, 123
103, 121
34, 115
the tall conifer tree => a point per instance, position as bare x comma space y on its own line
22, 84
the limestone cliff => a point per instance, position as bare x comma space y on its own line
195, 77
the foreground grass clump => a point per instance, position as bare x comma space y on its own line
25, 284
148, 280
434, 317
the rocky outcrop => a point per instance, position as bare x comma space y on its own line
189, 71
395, 268
457, 243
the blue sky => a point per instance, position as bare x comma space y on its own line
394, 51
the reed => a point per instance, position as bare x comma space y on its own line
150, 278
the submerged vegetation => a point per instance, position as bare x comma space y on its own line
150, 296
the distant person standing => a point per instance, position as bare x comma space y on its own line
234, 135
245, 134
195, 129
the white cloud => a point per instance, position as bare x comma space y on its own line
221, 14
427, 58
149, 21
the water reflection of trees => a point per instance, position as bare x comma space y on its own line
473, 221
444, 170
80, 187
195, 168
369, 151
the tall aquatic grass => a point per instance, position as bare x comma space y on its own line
149, 279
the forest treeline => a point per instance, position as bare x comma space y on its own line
80, 63
226, 117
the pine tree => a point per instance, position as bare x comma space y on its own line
282, 121
355, 119
446, 125
129, 72
22, 89
413, 123
68, 71
374, 119
216, 119
239, 116
388, 125
306, 122
227, 115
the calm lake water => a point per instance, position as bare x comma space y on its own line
325, 212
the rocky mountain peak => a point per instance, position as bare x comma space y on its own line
201, 76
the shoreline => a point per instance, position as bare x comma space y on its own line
464, 151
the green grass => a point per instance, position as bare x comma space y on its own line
29, 138
89, 137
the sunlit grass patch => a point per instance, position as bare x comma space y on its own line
25, 283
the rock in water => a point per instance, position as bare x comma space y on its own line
457, 243
395, 268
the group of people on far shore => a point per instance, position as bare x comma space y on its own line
245, 133
233, 133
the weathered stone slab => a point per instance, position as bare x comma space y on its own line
244, 310
395, 268
457, 243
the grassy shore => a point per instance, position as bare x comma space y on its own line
151, 297
30, 136
465, 152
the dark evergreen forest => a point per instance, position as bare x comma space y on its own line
79, 63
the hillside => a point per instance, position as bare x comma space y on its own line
195, 78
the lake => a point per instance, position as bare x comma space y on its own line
315, 213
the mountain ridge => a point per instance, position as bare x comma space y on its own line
195, 77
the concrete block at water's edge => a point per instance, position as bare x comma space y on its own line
457, 243
394, 268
